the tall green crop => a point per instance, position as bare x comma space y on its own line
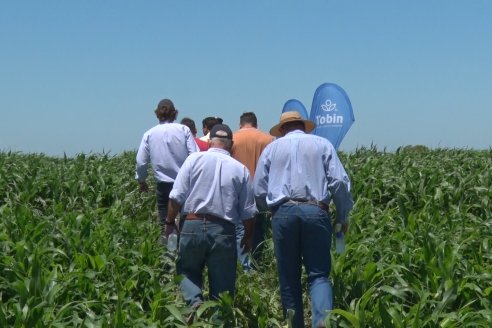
79, 247
419, 246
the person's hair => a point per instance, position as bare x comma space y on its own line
222, 143
189, 123
291, 126
209, 122
166, 113
248, 118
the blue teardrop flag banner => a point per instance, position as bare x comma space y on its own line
294, 104
332, 112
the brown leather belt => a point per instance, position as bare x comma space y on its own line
321, 205
198, 216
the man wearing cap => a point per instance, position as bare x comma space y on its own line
297, 176
165, 147
214, 193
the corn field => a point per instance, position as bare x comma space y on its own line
79, 247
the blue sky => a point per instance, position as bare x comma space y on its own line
85, 76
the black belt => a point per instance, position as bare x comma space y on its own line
297, 201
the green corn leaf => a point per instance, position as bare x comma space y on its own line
348, 316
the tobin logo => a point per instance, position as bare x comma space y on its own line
329, 117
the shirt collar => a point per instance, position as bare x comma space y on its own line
219, 150
296, 132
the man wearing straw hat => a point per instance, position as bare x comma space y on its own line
296, 177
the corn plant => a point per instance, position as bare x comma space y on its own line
79, 247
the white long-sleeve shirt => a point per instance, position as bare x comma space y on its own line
165, 147
302, 166
213, 182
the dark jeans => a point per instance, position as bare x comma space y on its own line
162, 193
262, 225
212, 244
258, 243
302, 235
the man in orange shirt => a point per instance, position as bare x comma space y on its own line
249, 143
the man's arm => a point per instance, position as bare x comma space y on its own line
172, 212
247, 210
342, 198
260, 183
191, 143
247, 241
143, 159
143, 186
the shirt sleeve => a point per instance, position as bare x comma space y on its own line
247, 205
339, 187
260, 182
190, 142
181, 186
143, 159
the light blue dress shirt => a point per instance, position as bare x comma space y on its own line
165, 146
213, 182
302, 166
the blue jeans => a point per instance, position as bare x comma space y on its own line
212, 244
302, 235
258, 244
261, 227
244, 259
162, 194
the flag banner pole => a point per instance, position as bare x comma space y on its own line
295, 105
332, 112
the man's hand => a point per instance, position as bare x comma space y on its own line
143, 186
246, 244
166, 230
169, 230
247, 241
344, 227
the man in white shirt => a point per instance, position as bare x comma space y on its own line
297, 177
165, 147
214, 193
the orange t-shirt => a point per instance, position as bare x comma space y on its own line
248, 145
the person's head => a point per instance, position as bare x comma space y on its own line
165, 111
221, 137
189, 123
290, 121
248, 119
209, 122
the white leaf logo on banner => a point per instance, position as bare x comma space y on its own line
328, 106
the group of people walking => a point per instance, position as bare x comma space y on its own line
222, 188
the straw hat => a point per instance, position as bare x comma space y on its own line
291, 117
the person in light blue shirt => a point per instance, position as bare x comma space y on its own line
165, 147
213, 192
297, 176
